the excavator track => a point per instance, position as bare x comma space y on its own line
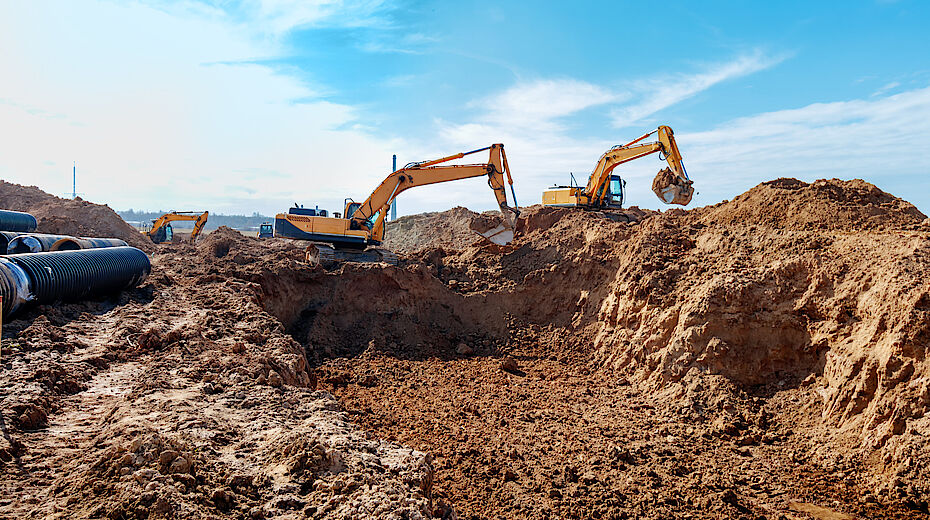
320, 253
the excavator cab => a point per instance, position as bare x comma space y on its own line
617, 192
163, 234
351, 207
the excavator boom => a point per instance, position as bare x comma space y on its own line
159, 231
345, 237
671, 184
422, 174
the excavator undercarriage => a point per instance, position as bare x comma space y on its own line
328, 256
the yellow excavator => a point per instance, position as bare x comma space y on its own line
357, 235
605, 190
161, 227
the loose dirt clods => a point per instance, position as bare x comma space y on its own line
761, 358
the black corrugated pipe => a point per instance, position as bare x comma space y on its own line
69, 275
73, 243
32, 243
5, 237
17, 221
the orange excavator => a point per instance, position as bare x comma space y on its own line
605, 190
357, 235
161, 227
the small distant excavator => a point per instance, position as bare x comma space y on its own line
357, 235
161, 227
605, 190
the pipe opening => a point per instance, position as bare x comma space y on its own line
24, 244
66, 244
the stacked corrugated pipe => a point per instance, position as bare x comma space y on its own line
39, 242
64, 268
17, 221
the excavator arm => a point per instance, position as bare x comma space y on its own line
199, 224
199, 219
671, 184
424, 173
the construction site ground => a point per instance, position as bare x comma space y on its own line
764, 357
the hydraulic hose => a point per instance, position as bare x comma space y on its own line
17, 221
45, 278
74, 243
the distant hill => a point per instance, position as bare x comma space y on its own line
240, 222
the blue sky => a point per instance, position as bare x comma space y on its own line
251, 106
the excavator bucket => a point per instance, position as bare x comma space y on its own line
671, 188
496, 229
500, 235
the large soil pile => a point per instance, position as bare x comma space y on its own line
825, 204
69, 217
738, 361
448, 229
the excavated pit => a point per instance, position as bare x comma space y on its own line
404, 312
763, 357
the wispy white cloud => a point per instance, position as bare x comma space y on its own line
534, 120
886, 88
655, 94
284, 15
174, 115
878, 140
538, 105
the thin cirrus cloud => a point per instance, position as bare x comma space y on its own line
543, 104
655, 94
539, 104
873, 138
281, 16
177, 115
876, 139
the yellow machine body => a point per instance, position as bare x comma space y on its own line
161, 226
605, 190
334, 230
570, 196
362, 224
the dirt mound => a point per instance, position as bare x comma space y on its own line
722, 362
69, 217
758, 290
825, 204
184, 398
450, 229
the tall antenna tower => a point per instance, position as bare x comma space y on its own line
74, 192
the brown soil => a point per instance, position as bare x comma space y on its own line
69, 217
439, 229
744, 360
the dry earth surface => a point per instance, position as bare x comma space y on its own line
761, 358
